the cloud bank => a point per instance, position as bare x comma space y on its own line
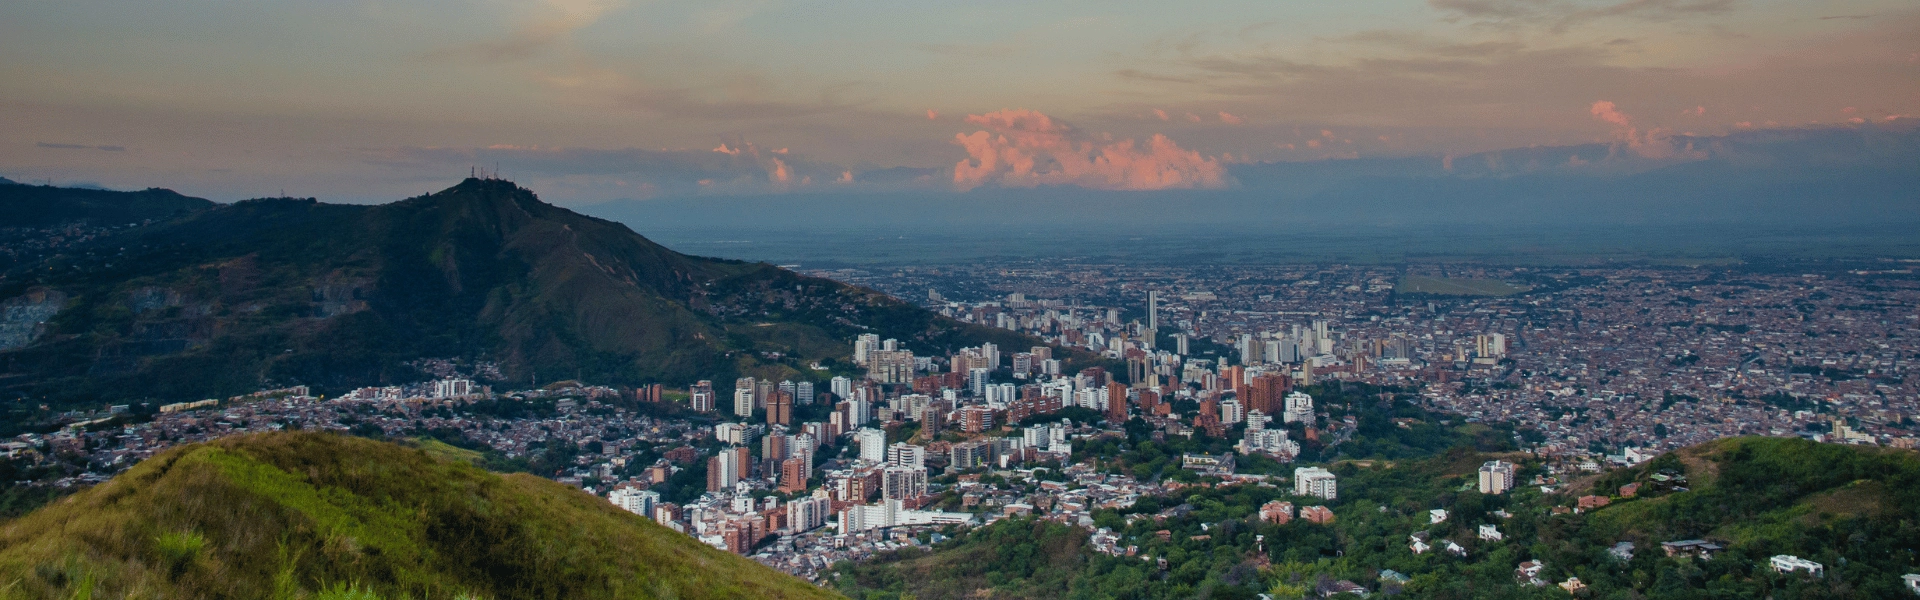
1025, 148
1656, 143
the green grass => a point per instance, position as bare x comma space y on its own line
304, 515
1447, 286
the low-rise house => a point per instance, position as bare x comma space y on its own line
1490, 533
1786, 563
1622, 551
1529, 573
1695, 548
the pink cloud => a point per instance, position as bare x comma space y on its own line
845, 177
932, 114
779, 173
1025, 148
1160, 113
1655, 143
1695, 111
1230, 119
1606, 111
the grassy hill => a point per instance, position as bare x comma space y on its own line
231, 298
301, 515
1853, 509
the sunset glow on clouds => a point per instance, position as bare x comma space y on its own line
1654, 143
1024, 148
366, 100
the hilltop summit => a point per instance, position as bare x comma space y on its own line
289, 515
225, 299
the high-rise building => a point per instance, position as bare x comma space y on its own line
1257, 420
743, 402
777, 446
1299, 409
903, 454
1231, 412
1264, 393
809, 513
1496, 477
1116, 402
452, 388
1153, 310
968, 455
841, 387
636, 501
780, 409
873, 445
977, 380
1314, 481
863, 346
723, 470
762, 391
891, 366
1022, 364
900, 483
976, 419
803, 393
793, 474
701, 396
1490, 345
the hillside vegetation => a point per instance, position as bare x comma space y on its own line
265, 293
303, 515
1854, 509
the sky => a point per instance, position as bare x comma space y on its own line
587, 101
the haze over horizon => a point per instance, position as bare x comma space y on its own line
597, 100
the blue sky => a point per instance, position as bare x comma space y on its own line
589, 100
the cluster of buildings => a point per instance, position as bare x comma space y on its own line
800, 474
1595, 359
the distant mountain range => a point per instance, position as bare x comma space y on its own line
203, 299
304, 515
1765, 178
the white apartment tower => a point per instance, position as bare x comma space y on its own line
1299, 409
1496, 477
903, 454
873, 445
1314, 481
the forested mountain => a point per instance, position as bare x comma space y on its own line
320, 516
223, 299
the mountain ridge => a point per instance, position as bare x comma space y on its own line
268, 292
